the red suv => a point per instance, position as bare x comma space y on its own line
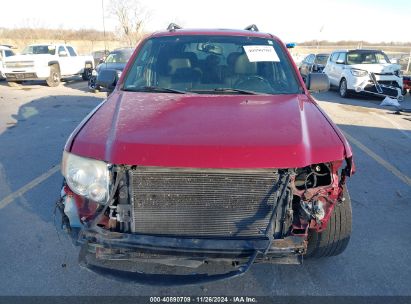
208, 156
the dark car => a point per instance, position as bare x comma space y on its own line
99, 56
116, 60
313, 63
209, 155
407, 85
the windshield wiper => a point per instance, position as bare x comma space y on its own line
245, 92
154, 89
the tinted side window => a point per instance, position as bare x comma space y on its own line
71, 51
380, 58
8, 53
341, 57
334, 57
61, 49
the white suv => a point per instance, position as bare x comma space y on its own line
364, 71
5, 51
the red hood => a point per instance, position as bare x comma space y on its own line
231, 131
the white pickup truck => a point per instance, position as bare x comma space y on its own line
5, 51
49, 62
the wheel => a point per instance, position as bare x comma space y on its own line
92, 86
303, 77
343, 88
87, 74
334, 239
54, 78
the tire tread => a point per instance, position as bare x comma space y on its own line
334, 239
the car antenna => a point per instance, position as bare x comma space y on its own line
252, 27
172, 27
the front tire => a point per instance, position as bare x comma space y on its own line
92, 86
54, 78
343, 88
335, 238
87, 74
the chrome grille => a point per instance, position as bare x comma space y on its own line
176, 201
19, 64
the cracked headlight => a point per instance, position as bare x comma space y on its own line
86, 177
359, 73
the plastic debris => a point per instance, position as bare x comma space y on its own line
388, 101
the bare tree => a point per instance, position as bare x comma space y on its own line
131, 16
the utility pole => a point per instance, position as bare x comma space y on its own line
104, 27
318, 41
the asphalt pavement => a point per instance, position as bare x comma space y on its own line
36, 120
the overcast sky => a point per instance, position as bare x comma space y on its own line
291, 20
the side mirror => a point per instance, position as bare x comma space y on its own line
107, 79
318, 82
63, 54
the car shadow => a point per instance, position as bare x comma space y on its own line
363, 101
33, 144
82, 85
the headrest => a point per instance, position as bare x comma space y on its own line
232, 58
190, 55
244, 66
178, 63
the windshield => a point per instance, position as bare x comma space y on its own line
321, 59
364, 57
212, 65
119, 57
39, 49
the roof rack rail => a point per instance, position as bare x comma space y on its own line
172, 27
252, 27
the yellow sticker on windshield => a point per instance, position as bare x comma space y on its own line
257, 53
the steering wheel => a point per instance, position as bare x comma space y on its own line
244, 81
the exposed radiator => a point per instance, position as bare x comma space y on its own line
197, 202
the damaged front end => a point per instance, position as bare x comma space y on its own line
383, 84
157, 225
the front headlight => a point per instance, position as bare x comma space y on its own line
398, 73
118, 74
86, 177
358, 73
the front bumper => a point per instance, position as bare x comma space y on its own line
181, 260
21, 76
378, 85
175, 258
31, 73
